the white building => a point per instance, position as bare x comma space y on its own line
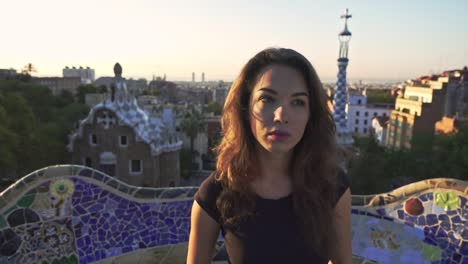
86, 74
379, 128
360, 113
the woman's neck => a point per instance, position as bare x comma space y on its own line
272, 167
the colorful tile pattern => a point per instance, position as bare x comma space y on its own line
73, 214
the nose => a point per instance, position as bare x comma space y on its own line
280, 115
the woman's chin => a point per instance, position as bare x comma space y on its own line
278, 149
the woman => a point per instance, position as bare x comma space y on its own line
277, 194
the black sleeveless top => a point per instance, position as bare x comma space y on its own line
272, 236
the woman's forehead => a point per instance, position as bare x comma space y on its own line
280, 77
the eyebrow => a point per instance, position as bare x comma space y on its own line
275, 92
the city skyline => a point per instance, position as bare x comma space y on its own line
390, 41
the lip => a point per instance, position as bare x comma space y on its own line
278, 135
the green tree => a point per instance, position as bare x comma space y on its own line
192, 124
34, 125
65, 98
8, 144
22, 122
450, 155
379, 96
366, 169
378, 170
28, 69
102, 89
214, 107
84, 89
186, 163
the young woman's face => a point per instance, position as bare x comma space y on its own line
279, 108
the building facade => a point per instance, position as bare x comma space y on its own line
379, 128
122, 140
425, 101
5, 73
360, 113
59, 84
87, 74
220, 94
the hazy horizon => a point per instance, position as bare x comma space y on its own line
395, 40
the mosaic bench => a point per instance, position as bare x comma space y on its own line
74, 214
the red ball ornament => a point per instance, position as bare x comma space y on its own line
414, 207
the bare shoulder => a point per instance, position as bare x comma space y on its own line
342, 222
204, 231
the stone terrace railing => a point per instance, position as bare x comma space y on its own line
74, 214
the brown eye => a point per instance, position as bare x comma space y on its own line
298, 102
265, 99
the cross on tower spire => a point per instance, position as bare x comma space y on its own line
346, 15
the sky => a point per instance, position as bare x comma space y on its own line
391, 39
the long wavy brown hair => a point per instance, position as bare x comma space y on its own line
313, 168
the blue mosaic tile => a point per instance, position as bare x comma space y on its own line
456, 219
421, 220
98, 176
453, 239
85, 172
465, 233
430, 241
401, 214
423, 197
456, 257
464, 248
96, 208
462, 201
430, 196
452, 212
381, 211
464, 214
430, 231
451, 248
458, 228
431, 219
410, 219
372, 215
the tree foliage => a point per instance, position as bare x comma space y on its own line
34, 125
192, 124
214, 107
379, 96
84, 89
377, 169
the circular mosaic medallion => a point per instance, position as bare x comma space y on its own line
62, 189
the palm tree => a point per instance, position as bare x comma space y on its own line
192, 124
28, 69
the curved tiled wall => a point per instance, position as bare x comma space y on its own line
74, 214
